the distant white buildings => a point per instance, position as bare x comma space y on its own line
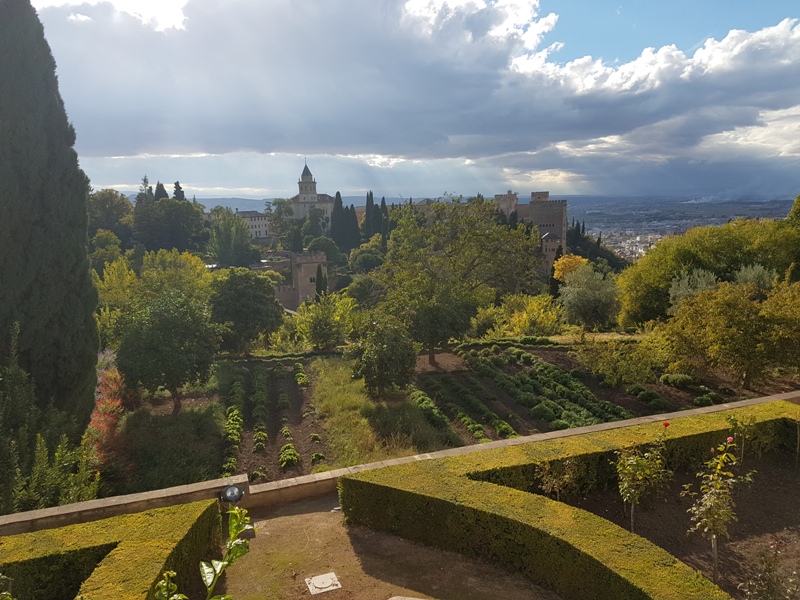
257, 222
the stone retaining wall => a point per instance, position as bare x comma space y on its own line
299, 488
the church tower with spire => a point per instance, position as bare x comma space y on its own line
308, 187
308, 199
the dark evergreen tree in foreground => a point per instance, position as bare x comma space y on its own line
44, 263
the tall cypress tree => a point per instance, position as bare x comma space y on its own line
44, 264
337, 223
353, 232
366, 223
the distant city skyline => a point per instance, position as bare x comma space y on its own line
424, 97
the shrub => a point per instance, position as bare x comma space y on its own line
659, 404
315, 437
647, 396
635, 389
283, 401
260, 439
289, 456
559, 424
704, 400
316, 457
285, 432
543, 412
678, 380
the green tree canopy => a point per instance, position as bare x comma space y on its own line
722, 250
245, 303
328, 246
723, 327
229, 245
385, 356
589, 298
45, 282
111, 210
462, 243
433, 310
105, 248
367, 291
167, 342
161, 222
326, 323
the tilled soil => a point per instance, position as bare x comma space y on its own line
767, 510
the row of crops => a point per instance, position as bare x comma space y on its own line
531, 388
257, 395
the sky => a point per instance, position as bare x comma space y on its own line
419, 98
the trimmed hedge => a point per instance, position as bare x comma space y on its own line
120, 557
481, 507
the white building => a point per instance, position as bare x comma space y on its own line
256, 221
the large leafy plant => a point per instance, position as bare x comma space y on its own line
235, 548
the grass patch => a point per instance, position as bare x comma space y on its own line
168, 450
361, 430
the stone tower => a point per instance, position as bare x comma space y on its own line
308, 187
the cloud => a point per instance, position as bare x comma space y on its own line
465, 86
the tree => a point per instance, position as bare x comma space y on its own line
329, 247
161, 222
161, 192
688, 283
619, 361
111, 210
461, 243
326, 323
338, 226
589, 299
367, 257
723, 250
166, 343
172, 271
279, 214
295, 239
44, 264
367, 222
229, 245
723, 327
105, 249
641, 471
793, 218
244, 301
385, 356
519, 315
434, 311
177, 191
566, 265
367, 291
353, 233
713, 508
321, 282
314, 223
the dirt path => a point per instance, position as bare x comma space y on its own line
306, 539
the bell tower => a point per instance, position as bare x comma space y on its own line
308, 187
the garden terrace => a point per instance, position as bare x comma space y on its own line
482, 504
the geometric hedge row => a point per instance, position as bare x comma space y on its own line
120, 557
480, 504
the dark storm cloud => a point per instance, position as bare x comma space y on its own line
356, 77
